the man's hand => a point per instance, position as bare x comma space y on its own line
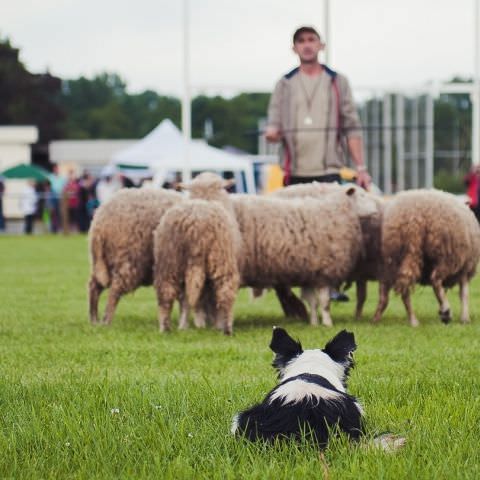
363, 178
272, 134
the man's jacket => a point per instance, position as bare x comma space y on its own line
342, 114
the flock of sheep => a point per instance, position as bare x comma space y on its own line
201, 249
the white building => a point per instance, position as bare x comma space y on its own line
15, 148
81, 155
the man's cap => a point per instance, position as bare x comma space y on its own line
304, 29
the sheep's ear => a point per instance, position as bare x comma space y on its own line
182, 186
229, 183
351, 191
341, 347
284, 346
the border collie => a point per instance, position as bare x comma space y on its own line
311, 397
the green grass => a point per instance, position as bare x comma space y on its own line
60, 379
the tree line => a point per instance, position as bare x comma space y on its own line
101, 107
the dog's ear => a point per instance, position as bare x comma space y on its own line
284, 346
341, 347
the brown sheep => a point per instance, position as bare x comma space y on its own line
121, 244
428, 237
195, 247
368, 266
311, 242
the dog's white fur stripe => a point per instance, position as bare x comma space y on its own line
234, 426
360, 408
298, 390
316, 362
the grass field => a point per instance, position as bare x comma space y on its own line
78, 401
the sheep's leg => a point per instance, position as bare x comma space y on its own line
112, 302
464, 316
292, 306
324, 297
407, 301
94, 291
256, 292
310, 295
225, 295
164, 312
361, 297
227, 316
445, 313
200, 317
184, 311
382, 304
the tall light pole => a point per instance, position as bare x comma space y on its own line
326, 29
186, 100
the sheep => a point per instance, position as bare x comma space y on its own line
368, 266
428, 237
305, 242
196, 245
321, 237
121, 244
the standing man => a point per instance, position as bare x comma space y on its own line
312, 113
57, 183
28, 205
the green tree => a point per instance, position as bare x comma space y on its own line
147, 109
27, 98
234, 120
101, 108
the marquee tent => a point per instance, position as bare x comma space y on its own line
164, 150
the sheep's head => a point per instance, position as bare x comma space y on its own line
365, 204
208, 186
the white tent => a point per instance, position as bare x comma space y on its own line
164, 150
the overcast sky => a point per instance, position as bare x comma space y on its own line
240, 45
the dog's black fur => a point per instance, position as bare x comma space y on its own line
318, 407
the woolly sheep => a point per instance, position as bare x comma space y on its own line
195, 246
121, 244
368, 266
306, 242
428, 237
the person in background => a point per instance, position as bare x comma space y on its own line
2, 218
57, 183
106, 188
86, 191
472, 182
28, 205
312, 113
71, 191
48, 205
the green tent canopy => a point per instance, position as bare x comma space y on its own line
25, 171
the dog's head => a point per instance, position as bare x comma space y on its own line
333, 361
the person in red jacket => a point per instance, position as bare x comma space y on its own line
472, 182
72, 192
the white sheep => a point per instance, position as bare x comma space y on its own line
121, 244
428, 237
305, 242
196, 247
368, 266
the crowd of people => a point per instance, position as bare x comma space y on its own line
67, 204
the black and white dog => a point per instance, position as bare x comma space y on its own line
311, 397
